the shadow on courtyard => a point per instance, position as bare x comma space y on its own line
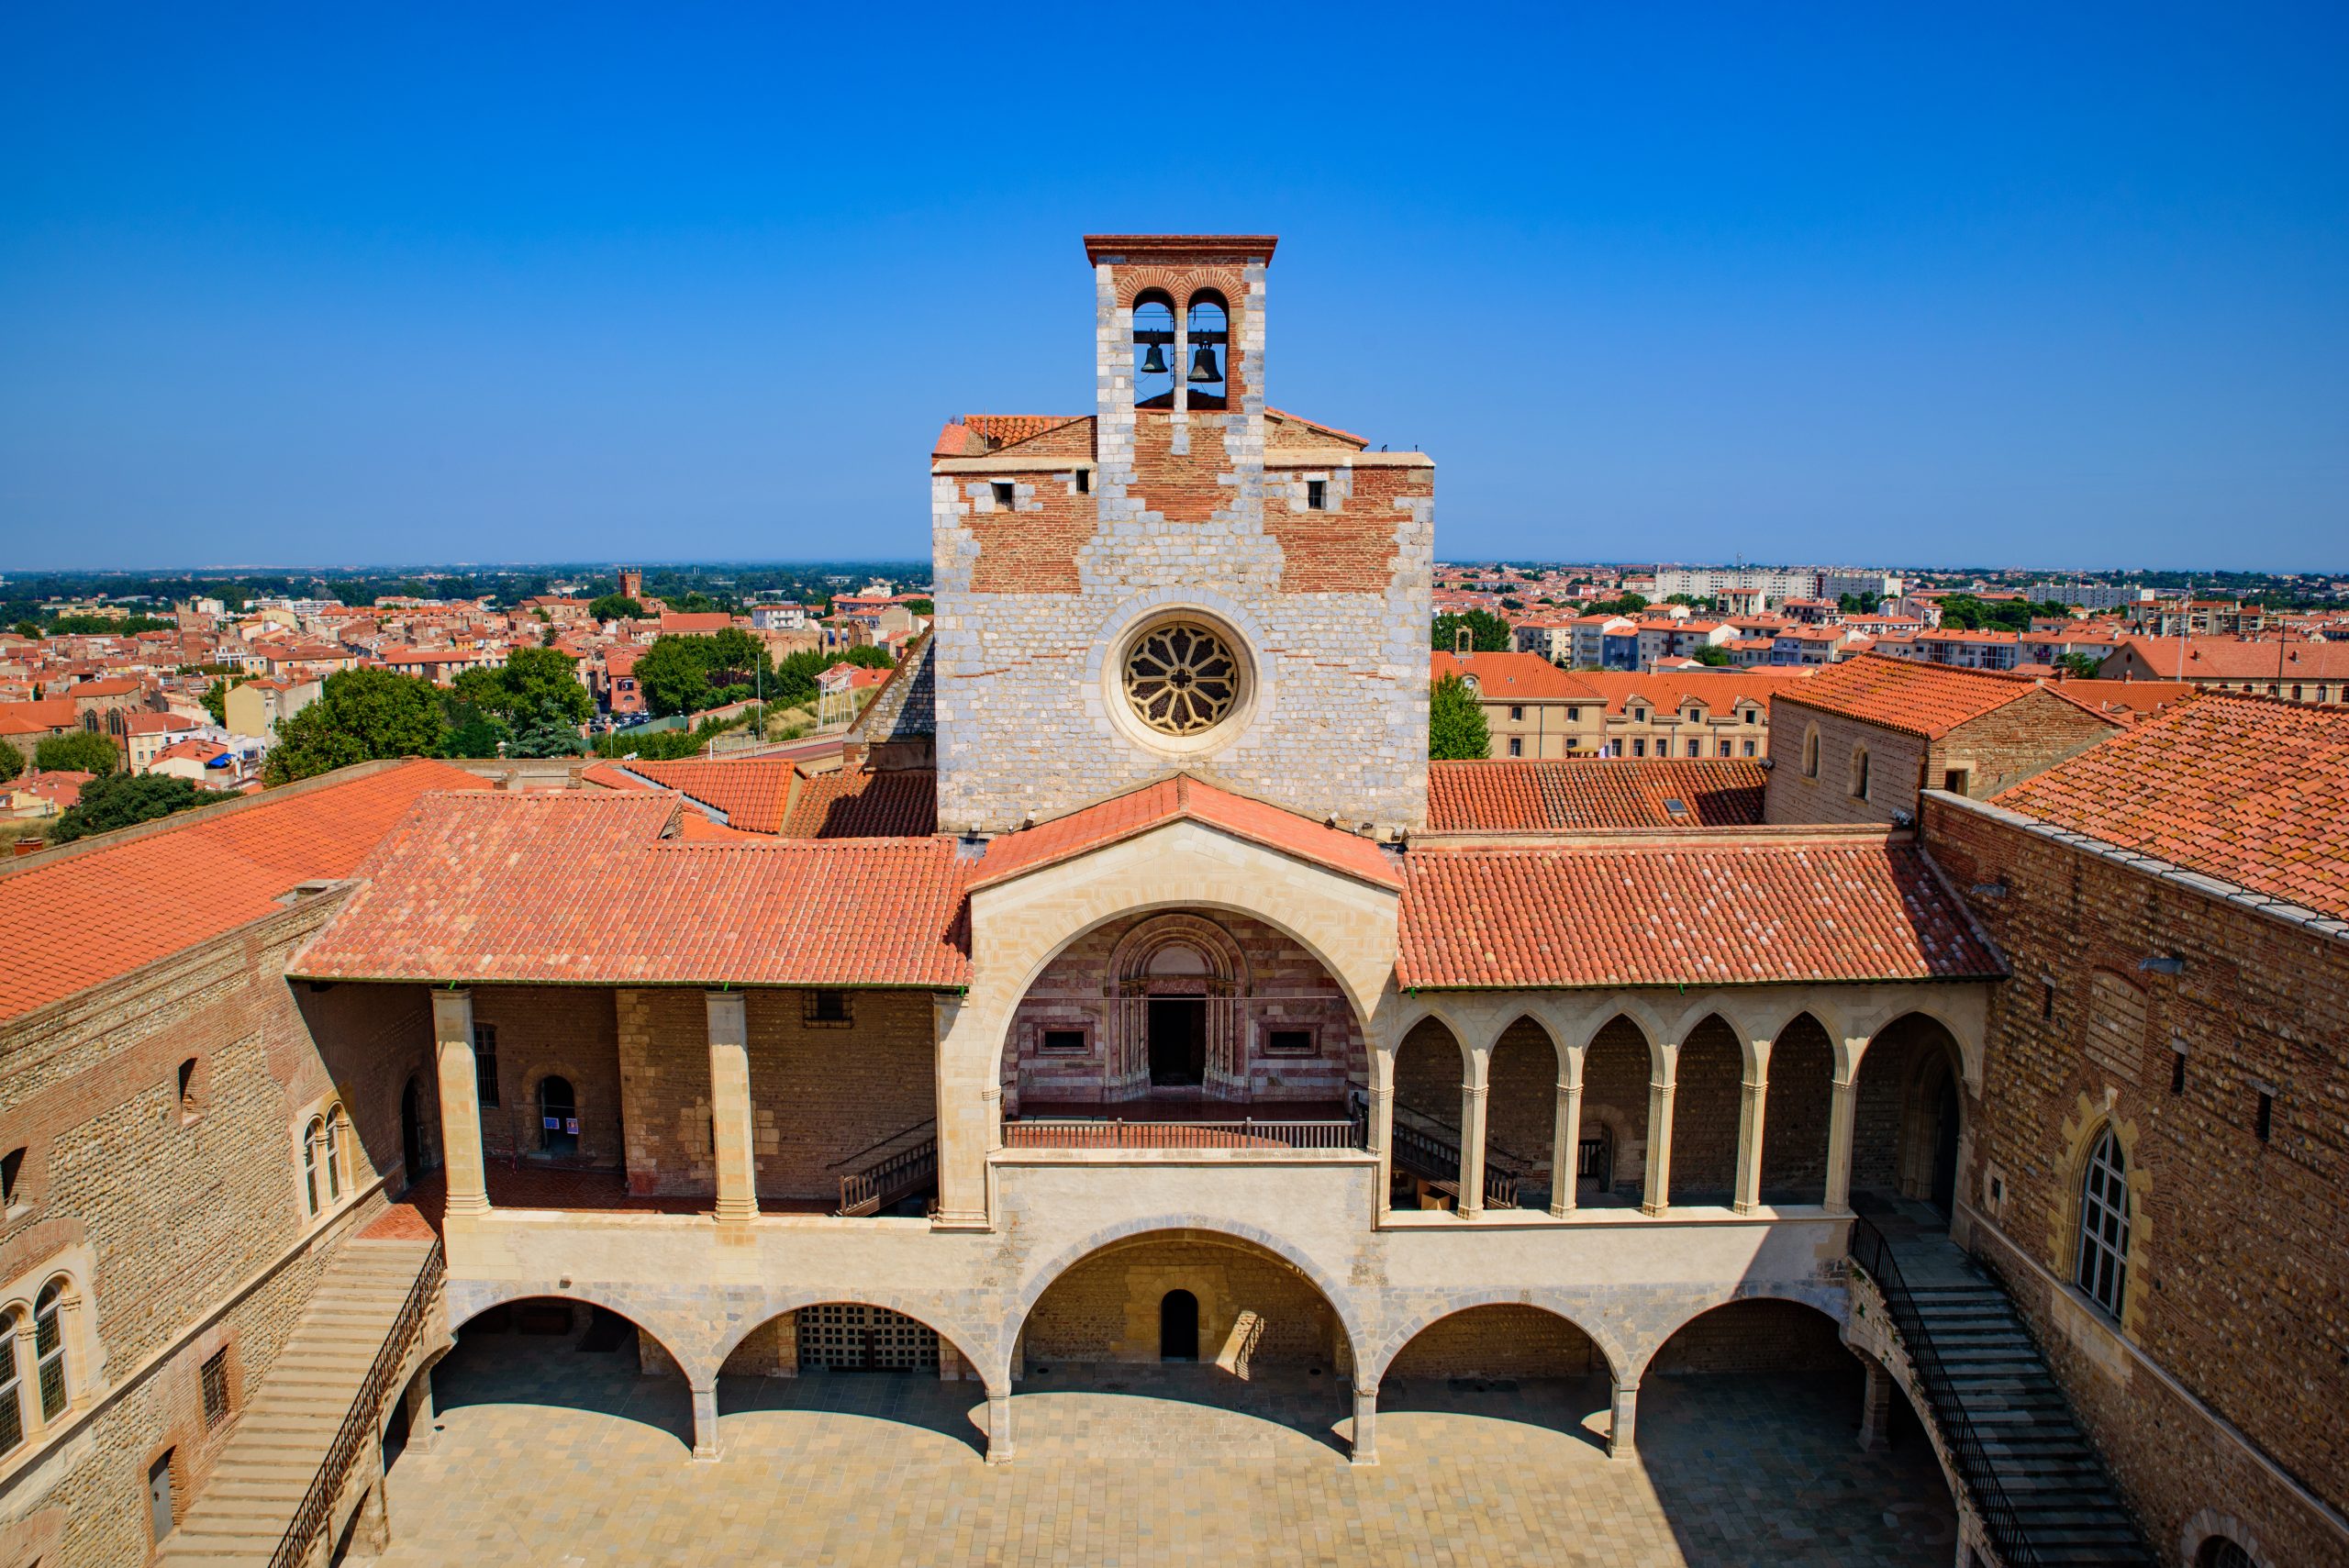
595, 1373
1574, 1407
956, 1411
1116, 1399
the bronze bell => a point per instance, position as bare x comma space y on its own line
1154, 362
1203, 364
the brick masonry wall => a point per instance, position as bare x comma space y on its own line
1706, 1099
1521, 1098
1891, 1132
1615, 1076
819, 1093
664, 1068
163, 1211
1505, 1340
1894, 763
1755, 1336
1255, 1311
564, 1031
2010, 744
2239, 1278
1795, 1111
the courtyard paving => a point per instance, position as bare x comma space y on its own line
559, 1458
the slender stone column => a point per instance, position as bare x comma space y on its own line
730, 1105
970, 1110
1842, 1111
706, 1422
452, 1036
1472, 1142
1566, 1148
1656, 1196
1751, 1107
999, 1427
1875, 1409
1623, 1420
1366, 1443
1382, 1125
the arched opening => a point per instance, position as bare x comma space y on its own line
1178, 1327
1907, 1123
558, 1119
852, 1357
1154, 351
2101, 1266
1428, 1071
1708, 1081
560, 1353
1504, 1361
1521, 1114
1616, 1072
1810, 752
1795, 1114
1859, 785
2219, 1552
1206, 331
1779, 1373
1264, 1343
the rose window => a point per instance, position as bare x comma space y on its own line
1181, 678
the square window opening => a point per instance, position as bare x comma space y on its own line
1065, 1042
1317, 495
216, 1388
1288, 1042
1006, 496
829, 1008
1085, 482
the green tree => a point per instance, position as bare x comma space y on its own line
673, 674
867, 657
361, 715
472, 733
920, 607
534, 683
28, 628
11, 762
548, 735
120, 800
1456, 728
1622, 604
1487, 633
615, 606
2082, 665
695, 602
1712, 656
83, 751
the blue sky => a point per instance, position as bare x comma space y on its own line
2062, 286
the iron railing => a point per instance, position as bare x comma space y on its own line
1248, 1133
907, 1171
315, 1513
1873, 1253
1438, 1159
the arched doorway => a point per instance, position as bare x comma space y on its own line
558, 1119
1178, 1327
782, 1381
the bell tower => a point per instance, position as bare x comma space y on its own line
1184, 581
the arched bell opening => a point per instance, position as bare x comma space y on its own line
1206, 332
1154, 350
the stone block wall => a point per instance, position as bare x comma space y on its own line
1896, 762
1503, 1340
1254, 1312
663, 1062
820, 1093
1759, 1335
1706, 1100
1522, 1096
2012, 743
2238, 1282
566, 1031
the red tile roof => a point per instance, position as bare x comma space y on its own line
38, 718
1009, 429
753, 792
1584, 794
1738, 911
1719, 691
2227, 659
578, 886
694, 623
1906, 695
86, 913
1513, 677
863, 804
1183, 797
2244, 789
2131, 700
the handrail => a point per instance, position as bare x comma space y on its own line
1244, 1132
1495, 1153
883, 1142
317, 1504
1440, 1160
863, 1191
1873, 1253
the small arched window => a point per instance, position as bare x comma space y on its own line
1859, 772
1810, 752
12, 1384
2220, 1552
1155, 367
335, 1129
2103, 1268
312, 1136
1207, 330
49, 1350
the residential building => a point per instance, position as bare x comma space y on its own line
258, 708
144, 735
2088, 595
2295, 672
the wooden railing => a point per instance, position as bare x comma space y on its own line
359, 1427
1248, 1133
1436, 1159
884, 1180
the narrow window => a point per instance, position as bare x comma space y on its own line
1860, 773
1749, 715
2047, 999
49, 1352
1517, 715
214, 1379
1317, 495
1747, 751
312, 1136
334, 1152
1811, 753
187, 1089
2103, 1267
1516, 747
12, 1170
1065, 1042
1085, 482
1696, 748
1004, 494
486, 1062
2266, 1122
1956, 780
12, 1396
1639, 748
2177, 1072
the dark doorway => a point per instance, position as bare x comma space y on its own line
160, 1516
1178, 1041
1945, 1146
1178, 1327
558, 1119
412, 1132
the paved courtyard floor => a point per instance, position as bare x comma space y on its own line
558, 1458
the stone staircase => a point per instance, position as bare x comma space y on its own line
2034, 1477
287, 1431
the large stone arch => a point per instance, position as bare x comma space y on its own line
672, 1330
1561, 1303
1041, 1277
967, 1339
1829, 1300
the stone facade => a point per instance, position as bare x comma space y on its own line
1052, 554
2217, 1389
1977, 758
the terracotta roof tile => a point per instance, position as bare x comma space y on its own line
753, 792
1009, 429
2228, 659
99, 910
1179, 798
1514, 677
580, 887
1907, 694
1844, 907
1584, 794
862, 804
2244, 789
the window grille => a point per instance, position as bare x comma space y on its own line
486, 1062
12, 1401
49, 1352
214, 1379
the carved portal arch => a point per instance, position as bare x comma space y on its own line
1177, 955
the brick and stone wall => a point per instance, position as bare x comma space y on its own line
1795, 1113
2238, 1283
2015, 743
1896, 761
559, 1031
1255, 1311
1760, 1335
1502, 1341
1705, 1098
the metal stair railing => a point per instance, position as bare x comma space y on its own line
1873, 1254
312, 1518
